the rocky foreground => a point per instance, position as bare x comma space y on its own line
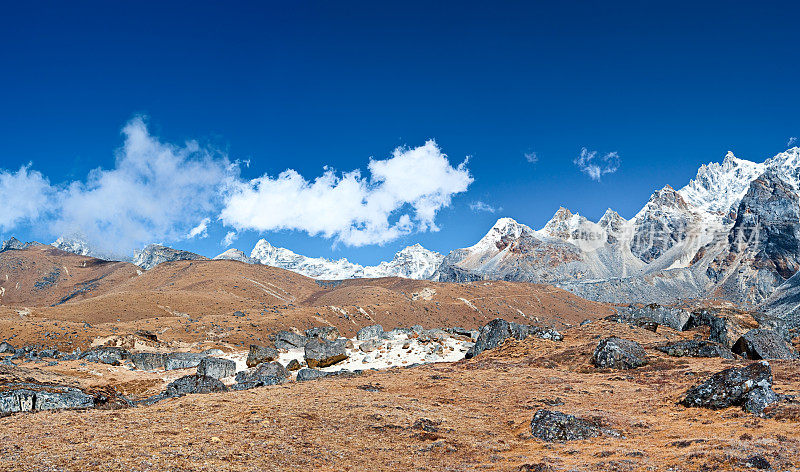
647, 389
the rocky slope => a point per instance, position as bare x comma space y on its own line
155, 254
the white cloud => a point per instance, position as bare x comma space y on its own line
595, 167
25, 195
531, 157
478, 205
401, 195
792, 141
229, 238
200, 230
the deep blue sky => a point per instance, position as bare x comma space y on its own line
668, 86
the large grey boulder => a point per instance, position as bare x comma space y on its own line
498, 330
764, 344
26, 397
321, 353
696, 348
749, 387
617, 353
725, 328
267, 373
675, 318
106, 355
148, 360
183, 360
557, 426
369, 332
289, 340
216, 368
259, 354
328, 333
194, 384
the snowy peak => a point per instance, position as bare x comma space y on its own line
504, 228
720, 186
13, 244
667, 197
412, 262
235, 255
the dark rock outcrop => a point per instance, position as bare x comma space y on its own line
617, 353
321, 353
557, 426
27, 397
289, 340
726, 327
216, 368
266, 373
498, 330
764, 344
328, 333
194, 384
369, 332
672, 317
183, 360
749, 387
696, 348
148, 360
259, 354
106, 355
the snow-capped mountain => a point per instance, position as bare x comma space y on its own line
412, 262
236, 255
731, 232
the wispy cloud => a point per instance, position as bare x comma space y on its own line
25, 195
479, 206
401, 195
200, 230
792, 141
596, 166
531, 157
229, 238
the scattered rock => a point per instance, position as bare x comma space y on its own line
763, 344
557, 426
370, 345
328, 333
696, 348
289, 340
749, 387
194, 384
106, 355
266, 373
259, 354
6, 347
498, 330
320, 353
216, 368
617, 353
148, 360
757, 462
183, 360
369, 332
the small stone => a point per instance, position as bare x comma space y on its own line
293, 365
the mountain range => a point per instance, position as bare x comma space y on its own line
732, 233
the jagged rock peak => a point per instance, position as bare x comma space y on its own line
667, 197
507, 228
13, 244
154, 254
719, 186
611, 219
